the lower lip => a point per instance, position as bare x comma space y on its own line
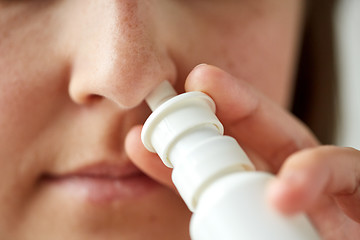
100, 190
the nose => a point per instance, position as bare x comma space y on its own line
119, 53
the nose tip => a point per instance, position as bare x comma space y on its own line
123, 61
126, 80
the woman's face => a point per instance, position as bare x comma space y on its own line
73, 77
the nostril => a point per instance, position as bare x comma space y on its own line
89, 99
93, 98
85, 98
82, 93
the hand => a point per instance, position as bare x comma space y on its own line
321, 180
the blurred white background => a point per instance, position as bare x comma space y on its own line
347, 29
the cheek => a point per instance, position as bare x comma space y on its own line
31, 93
31, 78
256, 43
266, 56
26, 110
31, 100
267, 63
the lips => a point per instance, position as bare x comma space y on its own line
103, 183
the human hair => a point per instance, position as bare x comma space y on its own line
316, 81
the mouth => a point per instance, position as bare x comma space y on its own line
103, 183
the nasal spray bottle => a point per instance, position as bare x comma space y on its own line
212, 173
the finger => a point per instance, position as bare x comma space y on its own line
250, 117
309, 174
146, 161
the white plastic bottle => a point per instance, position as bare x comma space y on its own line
213, 174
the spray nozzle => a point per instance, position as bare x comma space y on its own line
163, 92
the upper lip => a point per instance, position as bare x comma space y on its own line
109, 170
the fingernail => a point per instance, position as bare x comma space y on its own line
200, 65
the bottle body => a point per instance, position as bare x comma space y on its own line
212, 173
234, 207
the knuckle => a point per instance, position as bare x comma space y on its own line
315, 156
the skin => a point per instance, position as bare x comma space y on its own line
72, 84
